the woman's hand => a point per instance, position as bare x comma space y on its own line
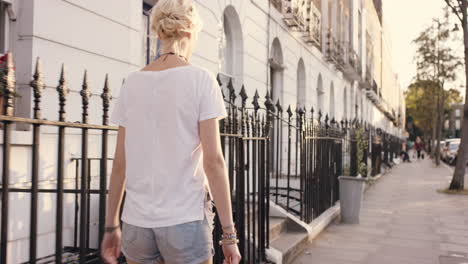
110, 246
231, 254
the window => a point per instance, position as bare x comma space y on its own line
150, 43
457, 124
345, 107
301, 84
453, 146
457, 112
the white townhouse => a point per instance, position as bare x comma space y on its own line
332, 55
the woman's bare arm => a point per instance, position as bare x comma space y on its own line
216, 172
117, 181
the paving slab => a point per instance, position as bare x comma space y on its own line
453, 260
403, 220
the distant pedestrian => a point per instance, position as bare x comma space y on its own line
418, 146
404, 154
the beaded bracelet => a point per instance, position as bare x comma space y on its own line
228, 242
229, 236
233, 232
229, 239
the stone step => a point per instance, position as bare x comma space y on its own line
277, 226
291, 243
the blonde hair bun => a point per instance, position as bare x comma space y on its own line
172, 18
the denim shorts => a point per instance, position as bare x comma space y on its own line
188, 243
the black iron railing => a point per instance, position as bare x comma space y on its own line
65, 251
292, 158
245, 144
304, 179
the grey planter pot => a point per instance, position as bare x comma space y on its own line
351, 192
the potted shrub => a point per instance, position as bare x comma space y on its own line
352, 188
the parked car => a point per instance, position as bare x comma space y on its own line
451, 152
445, 148
442, 144
453, 140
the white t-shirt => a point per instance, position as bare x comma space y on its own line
161, 110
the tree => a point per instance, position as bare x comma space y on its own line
437, 63
420, 105
458, 8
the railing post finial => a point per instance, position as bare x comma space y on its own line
85, 94
255, 101
38, 85
243, 95
268, 103
106, 97
232, 91
279, 108
290, 113
62, 90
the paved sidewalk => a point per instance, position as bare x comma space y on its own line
403, 221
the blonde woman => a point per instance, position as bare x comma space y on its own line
168, 156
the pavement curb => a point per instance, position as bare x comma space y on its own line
372, 180
323, 221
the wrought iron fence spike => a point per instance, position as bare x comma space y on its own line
255, 101
268, 103
38, 85
232, 91
290, 113
106, 98
278, 106
62, 90
243, 95
85, 95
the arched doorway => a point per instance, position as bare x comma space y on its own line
345, 103
276, 71
320, 94
331, 113
301, 84
357, 102
276, 68
232, 62
352, 103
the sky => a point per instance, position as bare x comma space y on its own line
405, 20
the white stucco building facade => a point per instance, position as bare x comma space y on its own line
248, 40
332, 55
